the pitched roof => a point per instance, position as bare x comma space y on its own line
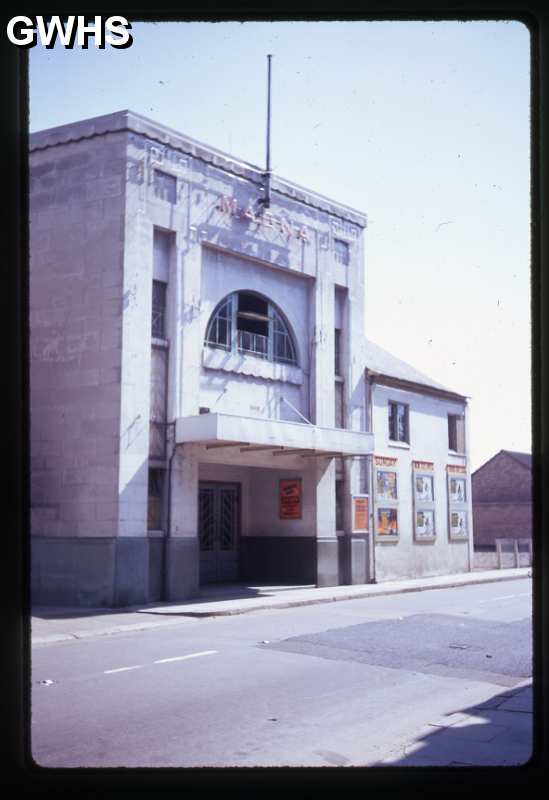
383, 363
524, 458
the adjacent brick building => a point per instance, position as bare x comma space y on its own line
502, 499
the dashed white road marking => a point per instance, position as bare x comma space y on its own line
183, 658
161, 661
122, 669
505, 597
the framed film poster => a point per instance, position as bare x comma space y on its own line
458, 516
423, 493
386, 499
361, 512
289, 499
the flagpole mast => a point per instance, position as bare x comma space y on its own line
267, 198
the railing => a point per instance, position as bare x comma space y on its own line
254, 343
506, 547
506, 553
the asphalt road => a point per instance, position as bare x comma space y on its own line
347, 683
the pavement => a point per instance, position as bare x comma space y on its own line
496, 731
50, 624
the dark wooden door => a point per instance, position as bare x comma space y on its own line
218, 513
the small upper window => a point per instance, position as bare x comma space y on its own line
247, 323
165, 186
399, 428
159, 309
341, 251
456, 433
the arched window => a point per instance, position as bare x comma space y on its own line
246, 322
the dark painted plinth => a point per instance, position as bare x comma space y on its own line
328, 562
182, 568
96, 572
156, 569
358, 559
278, 559
131, 579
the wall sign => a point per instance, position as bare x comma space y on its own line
384, 461
289, 499
361, 509
229, 206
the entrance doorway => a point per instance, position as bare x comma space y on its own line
218, 523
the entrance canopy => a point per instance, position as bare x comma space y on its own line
286, 438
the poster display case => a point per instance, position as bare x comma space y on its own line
458, 517
423, 492
386, 499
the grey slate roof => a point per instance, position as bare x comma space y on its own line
384, 363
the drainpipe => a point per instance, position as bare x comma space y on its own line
171, 437
470, 538
370, 385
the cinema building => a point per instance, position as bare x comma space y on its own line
204, 404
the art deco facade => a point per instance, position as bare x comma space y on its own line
204, 405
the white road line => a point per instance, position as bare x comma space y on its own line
183, 658
121, 669
505, 597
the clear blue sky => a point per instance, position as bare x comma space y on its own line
422, 125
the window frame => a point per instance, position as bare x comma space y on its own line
159, 311
406, 407
454, 433
279, 336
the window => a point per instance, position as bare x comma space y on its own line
165, 186
337, 351
249, 324
219, 332
456, 433
158, 401
341, 251
339, 504
158, 320
399, 422
339, 404
156, 491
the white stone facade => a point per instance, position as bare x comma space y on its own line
123, 212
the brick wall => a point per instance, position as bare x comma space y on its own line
493, 521
502, 500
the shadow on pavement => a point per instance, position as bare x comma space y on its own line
497, 732
209, 593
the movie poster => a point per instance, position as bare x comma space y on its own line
458, 523
387, 522
425, 524
290, 499
424, 488
386, 485
457, 490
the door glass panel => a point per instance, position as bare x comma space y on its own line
206, 519
227, 526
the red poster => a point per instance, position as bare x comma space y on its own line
290, 499
360, 522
